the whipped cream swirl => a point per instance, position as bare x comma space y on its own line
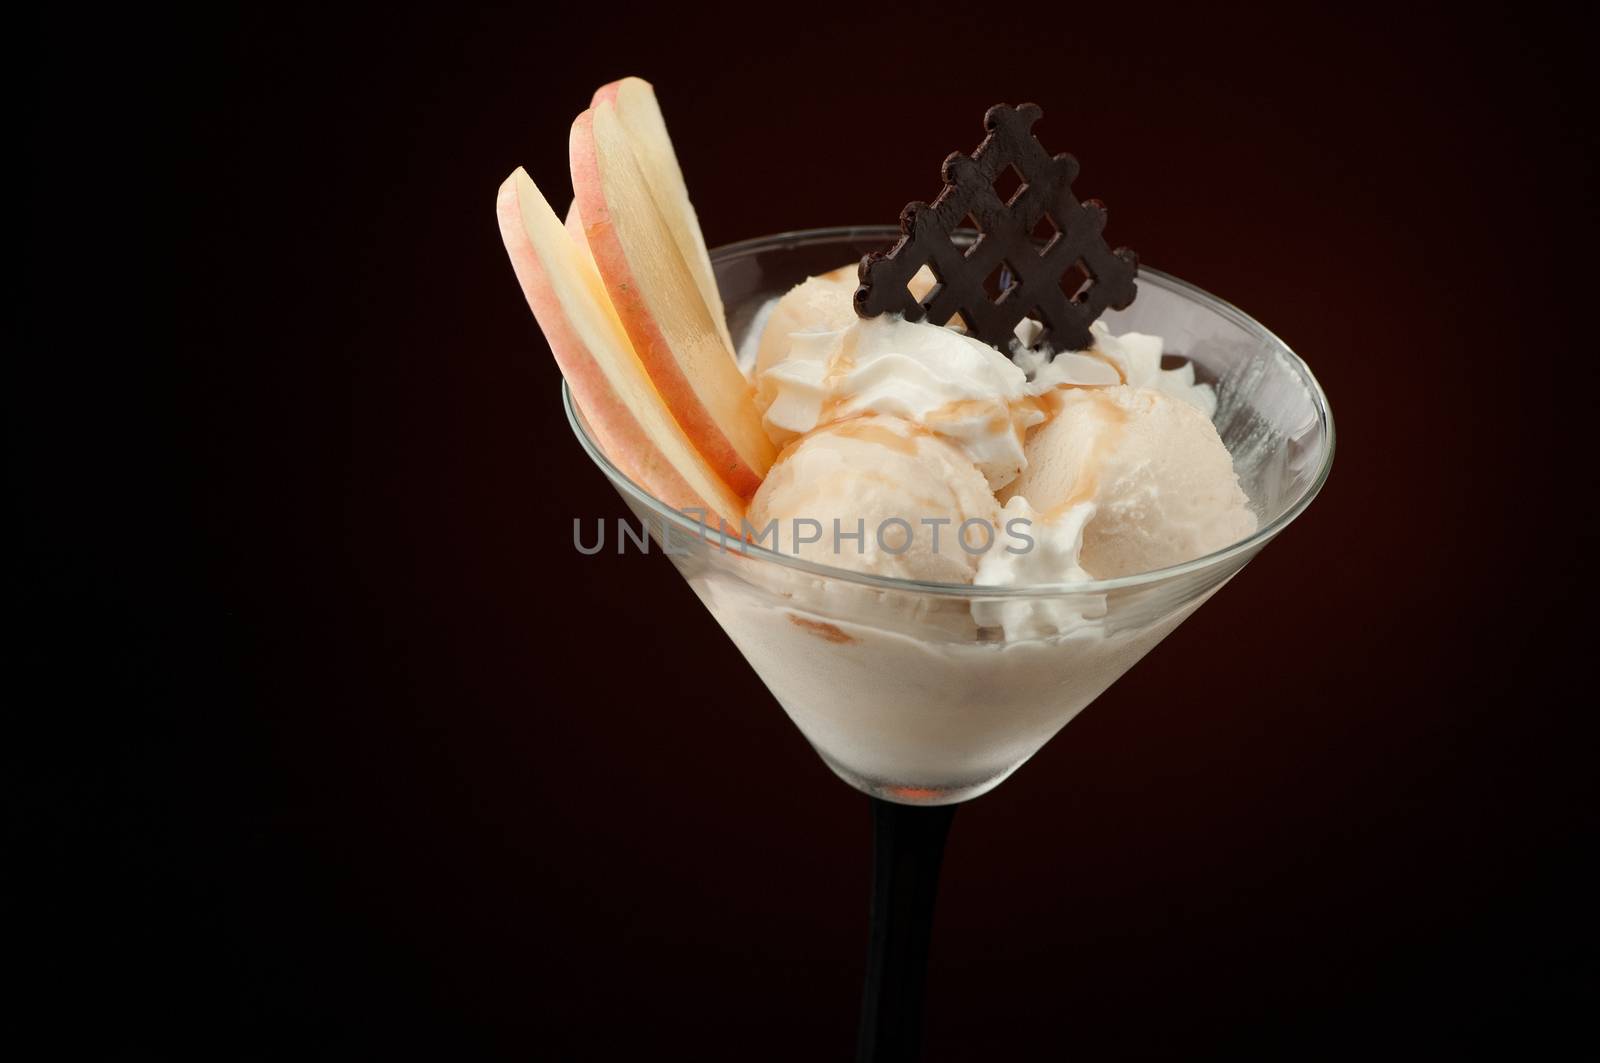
1050, 556
960, 389
1133, 358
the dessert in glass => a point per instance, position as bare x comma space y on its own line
934, 550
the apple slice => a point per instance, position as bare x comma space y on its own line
655, 295
574, 227
635, 101
628, 417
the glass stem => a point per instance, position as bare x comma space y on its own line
907, 847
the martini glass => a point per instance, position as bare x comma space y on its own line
924, 695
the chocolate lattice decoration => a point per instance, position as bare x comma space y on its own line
1005, 276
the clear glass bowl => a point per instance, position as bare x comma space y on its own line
913, 692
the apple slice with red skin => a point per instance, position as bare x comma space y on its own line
635, 101
628, 417
655, 295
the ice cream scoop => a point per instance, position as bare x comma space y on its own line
880, 495
817, 304
1162, 484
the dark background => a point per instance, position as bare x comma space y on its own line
368, 762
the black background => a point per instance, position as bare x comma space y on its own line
369, 762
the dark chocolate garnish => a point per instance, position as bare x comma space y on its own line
1005, 276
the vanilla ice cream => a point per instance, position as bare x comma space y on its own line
876, 494
1106, 442
1159, 480
818, 304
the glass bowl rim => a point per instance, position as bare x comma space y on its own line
809, 237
